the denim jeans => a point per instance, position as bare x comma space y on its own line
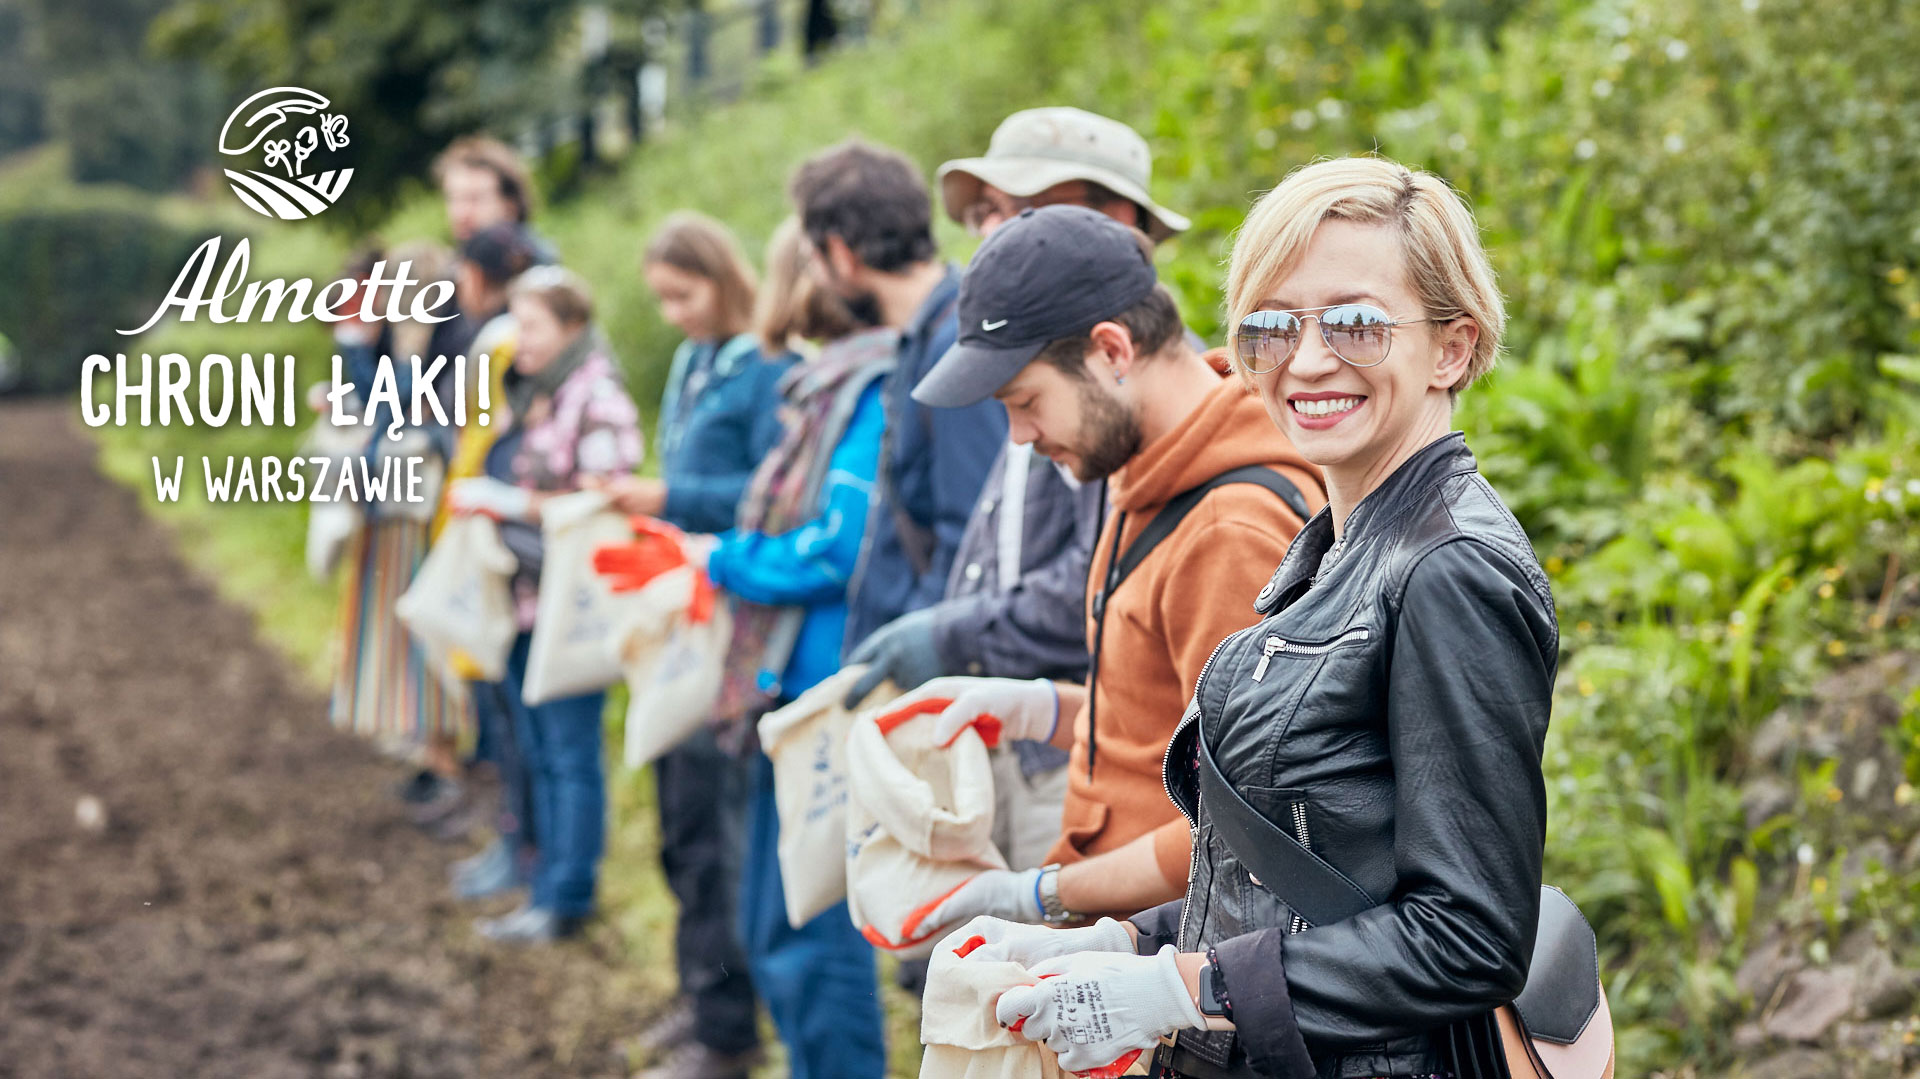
702, 794
495, 712
818, 981
560, 744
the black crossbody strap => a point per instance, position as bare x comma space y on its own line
1163, 525
1168, 519
1314, 889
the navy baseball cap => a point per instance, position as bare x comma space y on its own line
1049, 273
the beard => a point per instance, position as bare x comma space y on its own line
864, 307
1109, 435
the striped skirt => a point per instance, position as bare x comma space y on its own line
385, 687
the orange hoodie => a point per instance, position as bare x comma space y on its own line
1194, 589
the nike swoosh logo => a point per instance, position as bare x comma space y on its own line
992, 326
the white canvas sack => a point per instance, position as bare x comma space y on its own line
807, 743
331, 524
577, 624
672, 663
919, 824
957, 1024
460, 599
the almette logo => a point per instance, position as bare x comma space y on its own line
260, 125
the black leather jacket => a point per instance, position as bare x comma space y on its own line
1389, 713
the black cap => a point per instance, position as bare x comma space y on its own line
501, 252
1049, 273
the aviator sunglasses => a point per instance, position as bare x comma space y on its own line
1358, 333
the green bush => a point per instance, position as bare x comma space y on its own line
76, 271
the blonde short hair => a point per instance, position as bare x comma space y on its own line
1447, 268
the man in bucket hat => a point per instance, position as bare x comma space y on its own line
1052, 156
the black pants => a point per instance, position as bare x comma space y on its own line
703, 802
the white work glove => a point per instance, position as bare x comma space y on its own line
999, 940
1010, 894
1092, 1008
490, 497
1026, 709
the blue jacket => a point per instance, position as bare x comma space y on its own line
936, 461
720, 416
809, 566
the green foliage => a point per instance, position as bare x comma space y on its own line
124, 117
135, 124
23, 105
78, 268
411, 74
1908, 735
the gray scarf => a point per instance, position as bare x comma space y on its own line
523, 389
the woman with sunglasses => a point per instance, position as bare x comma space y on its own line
1372, 744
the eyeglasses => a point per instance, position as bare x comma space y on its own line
986, 209
1358, 333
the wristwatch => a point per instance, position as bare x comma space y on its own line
1047, 890
1212, 996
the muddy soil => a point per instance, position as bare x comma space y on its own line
198, 877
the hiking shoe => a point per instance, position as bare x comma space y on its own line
418, 788
671, 1029
528, 925
695, 1061
487, 874
447, 798
459, 823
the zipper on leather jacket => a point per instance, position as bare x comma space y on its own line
1299, 832
1333, 555
1276, 645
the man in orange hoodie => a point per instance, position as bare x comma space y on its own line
1062, 318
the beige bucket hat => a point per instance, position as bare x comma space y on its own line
1035, 149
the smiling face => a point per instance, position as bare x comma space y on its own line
688, 301
1360, 423
1079, 421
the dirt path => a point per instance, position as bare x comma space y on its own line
253, 905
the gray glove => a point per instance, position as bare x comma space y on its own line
902, 650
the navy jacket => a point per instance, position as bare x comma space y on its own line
720, 417
934, 462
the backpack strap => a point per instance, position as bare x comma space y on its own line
1175, 511
1121, 564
